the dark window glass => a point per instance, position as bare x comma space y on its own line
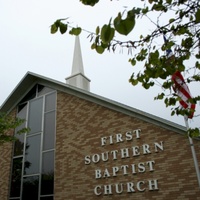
47, 173
46, 198
21, 107
49, 130
15, 199
19, 143
36, 181
39, 88
22, 112
50, 102
30, 188
32, 155
43, 90
35, 115
16, 177
30, 95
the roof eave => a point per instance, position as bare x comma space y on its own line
30, 79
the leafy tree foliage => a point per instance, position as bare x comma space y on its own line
7, 124
183, 33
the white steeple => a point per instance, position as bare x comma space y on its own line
78, 78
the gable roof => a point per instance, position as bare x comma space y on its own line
30, 79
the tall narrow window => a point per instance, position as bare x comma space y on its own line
32, 155
33, 158
49, 130
35, 115
30, 188
16, 177
19, 144
47, 173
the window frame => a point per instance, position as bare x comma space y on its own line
53, 92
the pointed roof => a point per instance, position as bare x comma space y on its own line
31, 79
78, 78
77, 65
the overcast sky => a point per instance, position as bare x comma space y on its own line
27, 45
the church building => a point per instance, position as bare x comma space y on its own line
82, 146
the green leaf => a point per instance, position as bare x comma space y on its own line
154, 57
171, 20
187, 43
89, 2
193, 132
104, 45
93, 46
97, 30
166, 102
169, 1
160, 96
133, 81
158, 7
75, 31
172, 101
107, 33
8, 123
197, 55
180, 30
173, 113
147, 85
54, 28
197, 65
136, 11
166, 85
58, 24
132, 61
191, 18
145, 10
99, 49
197, 16
124, 26
63, 28
97, 39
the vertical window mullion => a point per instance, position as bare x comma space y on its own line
40, 107
41, 147
24, 151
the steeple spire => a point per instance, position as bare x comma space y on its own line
78, 78
77, 66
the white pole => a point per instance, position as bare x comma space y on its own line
193, 152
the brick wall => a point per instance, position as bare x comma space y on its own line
80, 127
5, 160
5, 166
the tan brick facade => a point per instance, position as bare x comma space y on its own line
5, 164
81, 125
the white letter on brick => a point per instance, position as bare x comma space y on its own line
96, 190
153, 184
97, 173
